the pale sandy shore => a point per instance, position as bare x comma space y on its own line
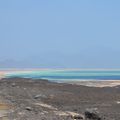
93, 83
2, 75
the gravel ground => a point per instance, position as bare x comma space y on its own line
43, 100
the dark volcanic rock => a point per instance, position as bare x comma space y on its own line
39, 96
28, 108
13, 84
78, 117
92, 114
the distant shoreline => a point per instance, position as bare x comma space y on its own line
89, 83
95, 83
57, 69
84, 82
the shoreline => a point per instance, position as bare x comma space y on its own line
84, 82
89, 83
96, 83
27, 69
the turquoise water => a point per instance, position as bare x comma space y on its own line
69, 75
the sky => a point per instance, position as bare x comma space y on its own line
60, 33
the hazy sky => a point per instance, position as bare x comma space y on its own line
60, 33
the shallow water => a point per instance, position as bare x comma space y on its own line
70, 75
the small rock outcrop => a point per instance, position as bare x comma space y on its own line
13, 84
39, 96
77, 117
28, 108
92, 114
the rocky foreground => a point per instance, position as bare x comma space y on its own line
27, 99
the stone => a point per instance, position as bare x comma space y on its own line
77, 117
39, 96
13, 84
92, 114
28, 108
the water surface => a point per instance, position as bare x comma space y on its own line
68, 75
